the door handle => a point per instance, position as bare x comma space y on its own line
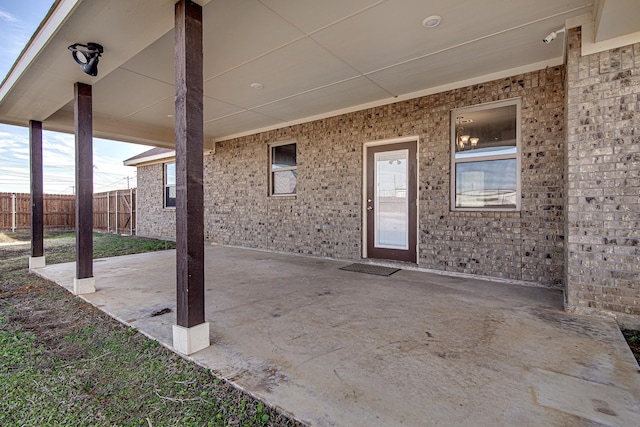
369, 208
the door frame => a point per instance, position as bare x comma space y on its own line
391, 141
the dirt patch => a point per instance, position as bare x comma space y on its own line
81, 367
8, 238
31, 310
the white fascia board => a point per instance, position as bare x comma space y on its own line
150, 159
590, 46
162, 157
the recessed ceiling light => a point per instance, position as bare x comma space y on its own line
256, 86
432, 21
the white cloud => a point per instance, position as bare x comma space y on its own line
61, 142
59, 162
12, 169
6, 16
23, 150
15, 36
12, 141
11, 136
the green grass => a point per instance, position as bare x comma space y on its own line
63, 362
115, 378
633, 339
60, 246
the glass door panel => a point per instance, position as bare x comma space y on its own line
391, 200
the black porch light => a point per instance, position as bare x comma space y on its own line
87, 56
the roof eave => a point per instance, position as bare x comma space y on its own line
52, 22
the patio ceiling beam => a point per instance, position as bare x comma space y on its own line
84, 282
36, 260
192, 332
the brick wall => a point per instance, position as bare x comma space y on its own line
525, 245
603, 161
325, 218
155, 221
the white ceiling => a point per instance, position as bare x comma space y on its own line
312, 57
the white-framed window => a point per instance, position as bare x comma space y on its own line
170, 185
485, 156
283, 169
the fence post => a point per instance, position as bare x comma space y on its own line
13, 212
108, 213
117, 229
130, 211
136, 211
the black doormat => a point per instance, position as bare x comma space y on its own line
370, 269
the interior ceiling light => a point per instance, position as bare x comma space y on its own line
87, 56
256, 86
432, 21
463, 139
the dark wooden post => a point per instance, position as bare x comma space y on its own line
84, 188
189, 134
37, 207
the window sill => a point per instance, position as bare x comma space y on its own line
485, 210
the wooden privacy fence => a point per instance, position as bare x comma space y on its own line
113, 211
15, 211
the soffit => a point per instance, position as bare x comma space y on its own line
312, 58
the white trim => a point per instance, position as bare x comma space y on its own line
84, 286
36, 262
518, 155
164, 185
148, 159
589, 46
190, 340
365, 146
486, 157
578, 21
162, 157
391, 141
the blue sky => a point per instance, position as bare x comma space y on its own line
18, 20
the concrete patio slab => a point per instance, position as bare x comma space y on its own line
339, 348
